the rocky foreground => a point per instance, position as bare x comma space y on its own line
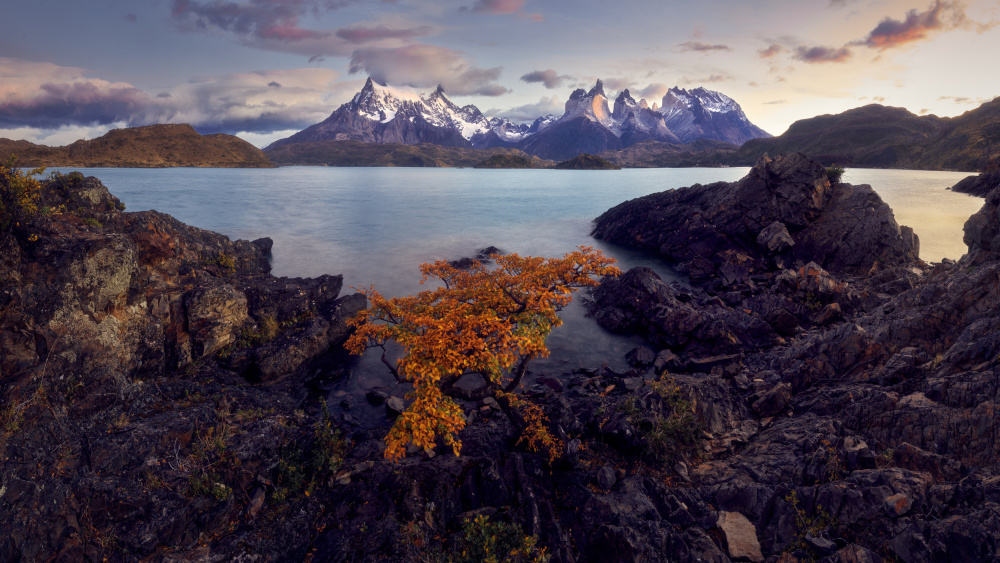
820, 394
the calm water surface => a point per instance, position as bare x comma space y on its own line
377, 225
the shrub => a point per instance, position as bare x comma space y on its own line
19, 192
495, 542
489, 322
834, 173
676, 431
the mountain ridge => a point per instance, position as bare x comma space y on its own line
389, 114
151, 146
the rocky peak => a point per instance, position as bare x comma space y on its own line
624, 103
597, 90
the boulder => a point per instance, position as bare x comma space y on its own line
785, 204
740, 537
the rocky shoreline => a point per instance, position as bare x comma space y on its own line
819, 394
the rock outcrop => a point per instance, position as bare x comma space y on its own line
148, 371
787, 415
784, 212
980, 185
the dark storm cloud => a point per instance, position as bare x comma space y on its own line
822, 54
548, 77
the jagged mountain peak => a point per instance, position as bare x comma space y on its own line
597, 90
699, 97
380, 113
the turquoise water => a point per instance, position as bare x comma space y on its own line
377, 225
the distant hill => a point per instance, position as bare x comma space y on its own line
876, 136
510, 161
587, 162
654, 154
358, 153
153, 146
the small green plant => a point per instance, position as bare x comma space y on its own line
834, 173
213, 463
884, 458
812, 302
806, 525
480, 541
93, 222
330, 447
300, 471
678, 431
226, 263
835, 468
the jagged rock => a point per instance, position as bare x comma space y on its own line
843, 228
775, 238
979, 186
774, 401
606, 478
666, 360
982, 232
898, 504
640, 356
740, 536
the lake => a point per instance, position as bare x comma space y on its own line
377, 225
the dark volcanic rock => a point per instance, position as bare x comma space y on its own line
748, 224
979, 186
124, 437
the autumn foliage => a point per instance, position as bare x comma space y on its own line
19, 192
484, 320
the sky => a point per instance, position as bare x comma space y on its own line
264, 69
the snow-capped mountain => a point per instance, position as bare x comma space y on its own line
384, 114
706, 114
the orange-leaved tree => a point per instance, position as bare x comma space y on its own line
483, 320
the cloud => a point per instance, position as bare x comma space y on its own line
548, 77
423, 66
615, 85
276, 25
822, 54
653, 91
496, 7
775, 102
45, 96
772, 50
546, 105
841, 3
924, 111
701, 47
130, 18
361, 34
712, 78
963, 100
916, 25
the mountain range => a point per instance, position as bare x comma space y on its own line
383, 114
